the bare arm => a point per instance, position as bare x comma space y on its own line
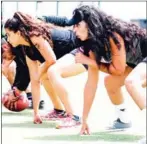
81, 58
46, 51
118, 64
35, 84
90, 89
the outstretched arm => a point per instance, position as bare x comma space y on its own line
35, 84
59, 21
89, 90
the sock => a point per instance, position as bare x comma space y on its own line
29, 95
59, 111
122, 113
75, 117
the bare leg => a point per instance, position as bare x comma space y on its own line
65, 67
113, 86
134, 83
51, 92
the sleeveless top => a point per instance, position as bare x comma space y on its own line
134, 56
64, 41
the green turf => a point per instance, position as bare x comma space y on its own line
29, 124
105, 136
23, 113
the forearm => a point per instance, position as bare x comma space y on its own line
90, 91
35, 87
42, 69
92, 63
60, 21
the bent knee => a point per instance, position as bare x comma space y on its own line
112, 84
108, 81
44, 77
108, 85
52, 72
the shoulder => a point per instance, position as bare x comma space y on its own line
39, 41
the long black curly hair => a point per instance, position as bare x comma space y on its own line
101, 27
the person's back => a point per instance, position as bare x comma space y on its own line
64, 41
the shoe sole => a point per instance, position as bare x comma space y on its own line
60, 127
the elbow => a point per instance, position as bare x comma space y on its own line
117, 71
51, 62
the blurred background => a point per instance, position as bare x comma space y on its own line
128, 11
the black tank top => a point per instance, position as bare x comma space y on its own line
64, 41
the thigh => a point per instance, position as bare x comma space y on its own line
67, 67
115, 82
138, 74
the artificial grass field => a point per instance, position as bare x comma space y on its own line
18, 128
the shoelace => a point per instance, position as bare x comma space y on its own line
51, 114
68, 119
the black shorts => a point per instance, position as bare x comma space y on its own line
73, 52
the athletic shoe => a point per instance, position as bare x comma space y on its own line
69, 121
118, 124
53, 115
